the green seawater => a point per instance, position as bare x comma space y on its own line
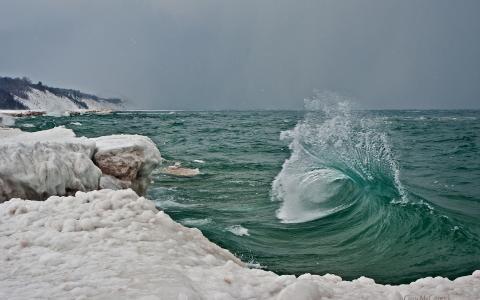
392, 195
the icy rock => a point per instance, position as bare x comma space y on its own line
129, 158
113, 183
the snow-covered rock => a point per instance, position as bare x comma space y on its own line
36, 165
115, 245
113, 183
129, 158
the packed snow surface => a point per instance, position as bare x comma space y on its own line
116, 245
6, 120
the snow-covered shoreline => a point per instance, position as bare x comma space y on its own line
22, 94
116, 245
107, 244
41, 112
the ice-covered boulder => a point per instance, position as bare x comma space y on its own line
128, 158
116, 245
36, 165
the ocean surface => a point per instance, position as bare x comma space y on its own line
392, 195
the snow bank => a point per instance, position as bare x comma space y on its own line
6, 120
115, 245
56, 162
57, 134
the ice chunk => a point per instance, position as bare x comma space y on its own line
40, 164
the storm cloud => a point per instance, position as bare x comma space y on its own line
245, 54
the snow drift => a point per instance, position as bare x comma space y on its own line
116, 245
56, 162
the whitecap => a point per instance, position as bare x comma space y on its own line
170, 203
238, 230
195, 222
335, 154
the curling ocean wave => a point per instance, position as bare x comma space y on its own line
337, 160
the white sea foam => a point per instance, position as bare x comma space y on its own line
238, 230
168, 203
195, 222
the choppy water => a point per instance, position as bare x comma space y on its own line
392, 195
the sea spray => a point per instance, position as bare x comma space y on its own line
337, 158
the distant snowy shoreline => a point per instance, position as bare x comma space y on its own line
38, 112
22, 94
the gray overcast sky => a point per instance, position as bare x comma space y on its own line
245, 54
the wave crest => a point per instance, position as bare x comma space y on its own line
337, 159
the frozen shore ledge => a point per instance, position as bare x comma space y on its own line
36, 165
110, 244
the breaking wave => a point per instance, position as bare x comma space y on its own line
338, 160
